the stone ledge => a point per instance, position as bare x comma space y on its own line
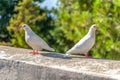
18, 64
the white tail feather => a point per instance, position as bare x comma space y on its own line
50, 49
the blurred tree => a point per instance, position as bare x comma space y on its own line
29, 13
75, 18
6, 12
71, 22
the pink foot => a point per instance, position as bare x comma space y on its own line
34, 52
87, 56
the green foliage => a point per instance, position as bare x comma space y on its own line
31, 14
6, 12
75, 18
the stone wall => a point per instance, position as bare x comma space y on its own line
18, 64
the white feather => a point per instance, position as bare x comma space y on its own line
34, 40
85, 44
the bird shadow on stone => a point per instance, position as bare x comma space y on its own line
72, 56
62, 56
55, 55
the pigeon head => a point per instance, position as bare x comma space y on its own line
25, 27
94, 27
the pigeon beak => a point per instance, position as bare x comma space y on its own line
20, 27
97, 28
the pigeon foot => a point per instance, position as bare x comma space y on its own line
34, 52
87, 56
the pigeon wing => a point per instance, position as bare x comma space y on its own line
82, 46
40, 42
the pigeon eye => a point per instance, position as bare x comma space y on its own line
23, 26
94, 26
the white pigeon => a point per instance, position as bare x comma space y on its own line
34, 40
85, 44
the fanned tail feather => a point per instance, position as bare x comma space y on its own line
50, 49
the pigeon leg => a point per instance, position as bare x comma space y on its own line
34, 52
87, 56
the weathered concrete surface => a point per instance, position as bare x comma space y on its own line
18, 64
